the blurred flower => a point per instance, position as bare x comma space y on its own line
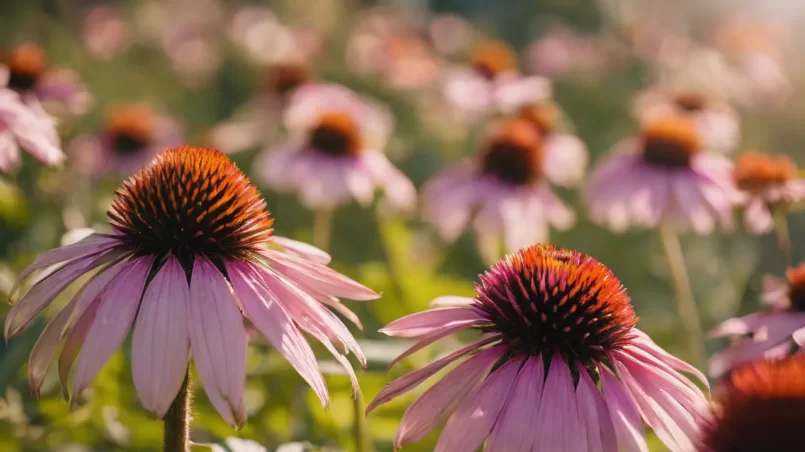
267, 41
233, 444
492, 82
450, 34
26, 70
768, 183
718, 123
105, 33
666, 173
561, 51
191, 255
506, 192
770, 334
335, 151
26, 126
132, 135
555, 324
760, 407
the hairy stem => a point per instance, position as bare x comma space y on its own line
363, 440
685, 303
322, 228
177, 420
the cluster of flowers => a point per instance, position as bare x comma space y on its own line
559, 364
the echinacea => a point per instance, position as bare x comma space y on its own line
190, 259
772, 333
505, 194
559, 365
761, 406
27, 127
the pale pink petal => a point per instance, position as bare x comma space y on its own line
118, 306
9, 152
475, 416
468, 90
398, 189
512, 91
558, 424
262, 306
757, 217
319, 277
413, 379
333, 303
510, 434
644, 343
303, 250
434, 405
595, 417
692, 209
450, 301
565, 160
428, 339
160, 344
218, 340
741, 326
73, 341
775, 292
799, 337
623, 413
427, 322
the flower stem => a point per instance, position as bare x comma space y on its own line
783, 235
322, 227
177, 420
685, 303
363, 442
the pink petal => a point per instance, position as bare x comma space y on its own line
475, 416
218, 340
303, 250
427, 340
565, 160
434, 405
262, 306
428, 322
160, 344
595, 417
413, 379
799, 337
648, 347
512, 432
450, 301
399, 191
319, 277
559, 426
623, 413
775, 292
73, 341
118, 306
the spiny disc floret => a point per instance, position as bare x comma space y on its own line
544, 299
191, 201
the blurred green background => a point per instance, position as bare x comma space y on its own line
398, 256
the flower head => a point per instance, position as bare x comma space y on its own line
555, 325
665, 174
191, 254
760, 407
506, 192
28, 127
285, 77
767, 182
335, 151
771, 333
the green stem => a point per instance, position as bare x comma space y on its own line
177, 420
363, 441
783, 235
322, 227
685, 303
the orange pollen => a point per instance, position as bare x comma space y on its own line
762, 407
130, 126
690, 101
190, 201
796, 290
336, 134
492, 58
755, 171
544, 116
26, 63
670, 141
514, 153
283, 78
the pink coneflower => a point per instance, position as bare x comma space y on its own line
335, 151
26, 70
28, 127
768, 183
105, 33
717, 122
506, 192
771, 333
132, 135
492, 81
665, 174
555, 325
761, 407
191, 255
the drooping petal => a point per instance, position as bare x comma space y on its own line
647, 351
413, 379
559, 426
160, 345
449, 301
73, 341
426, 340
118, 306
595, 417
512, 433
319, 277
475, 416
427, 322
434, 405
263, 308
218, 340
303, 250
625, 419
